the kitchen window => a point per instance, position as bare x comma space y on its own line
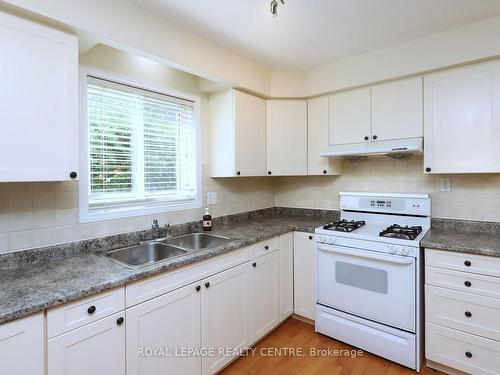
142, 151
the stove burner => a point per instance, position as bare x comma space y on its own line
344, 225
404, 233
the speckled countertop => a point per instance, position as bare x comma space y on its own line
482, 238
28, 287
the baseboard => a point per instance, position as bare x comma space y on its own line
303, 319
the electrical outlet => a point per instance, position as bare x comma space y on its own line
212, 197
445, 184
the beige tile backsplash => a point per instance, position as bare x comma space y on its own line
37, 214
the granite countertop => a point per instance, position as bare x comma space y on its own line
481, 238
28, 288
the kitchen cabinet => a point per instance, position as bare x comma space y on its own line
237, 134
462, 120
96, 348
286, 137
397, 110
318, 119
265, 303
38, 102
304, 274
350, 117
22, 349
171, 321
286, 275
225, 315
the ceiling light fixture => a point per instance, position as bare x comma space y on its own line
274, 7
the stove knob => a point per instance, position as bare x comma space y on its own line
393, 249
404, 251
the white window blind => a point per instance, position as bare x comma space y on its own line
142, 148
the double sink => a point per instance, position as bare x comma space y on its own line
167, 248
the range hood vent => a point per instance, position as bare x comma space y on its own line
396, 149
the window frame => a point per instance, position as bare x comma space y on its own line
86, 214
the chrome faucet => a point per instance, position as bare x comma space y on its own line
156, 229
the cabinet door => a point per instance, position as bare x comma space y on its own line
250, 133
287, 137
38, 102
304, 274
171, 321
286, 275
265, 294
318, 120
97, 348
225, 315
462, 120
22, 346
397, 110
350, 117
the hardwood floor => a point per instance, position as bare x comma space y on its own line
294, 333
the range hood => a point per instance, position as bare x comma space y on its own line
396, 148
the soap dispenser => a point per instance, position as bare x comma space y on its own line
207, 221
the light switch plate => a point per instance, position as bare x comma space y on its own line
212, 197
445, 184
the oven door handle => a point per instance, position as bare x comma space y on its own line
364, 254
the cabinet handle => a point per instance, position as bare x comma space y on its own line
367, 138
91, 309
207, 284
428, 169
238, 173
324, 171
374, 137
310, 237
467, 283
468, 314
468, 354
254, 264
269, 173
266, 247
73, 174
467, 263
119, 321
198, 287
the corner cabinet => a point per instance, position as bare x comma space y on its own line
318, 119
462, 120
22, 349
237, 134
286, 137
38, 102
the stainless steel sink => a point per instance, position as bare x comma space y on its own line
196, 241
144, 254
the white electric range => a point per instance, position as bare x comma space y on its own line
369, 274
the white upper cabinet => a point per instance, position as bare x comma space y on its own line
350, 117
38, 102
397, 110
462, 120
318, 118
286, 137
238, 134
22, 349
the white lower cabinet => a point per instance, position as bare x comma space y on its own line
22, 346
225, 317
286, 275
265, 295
304, 274
96, 348
172, 323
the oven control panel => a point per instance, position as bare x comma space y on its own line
406, 205
382, 247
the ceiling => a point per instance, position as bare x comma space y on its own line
309, 33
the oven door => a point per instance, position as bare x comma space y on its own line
373, 285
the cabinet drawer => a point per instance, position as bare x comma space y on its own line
480, 264
72, 315
451, 348
265, 247
151, 287
463, 281
464, 311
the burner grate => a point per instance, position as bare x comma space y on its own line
344, 225
401, 232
